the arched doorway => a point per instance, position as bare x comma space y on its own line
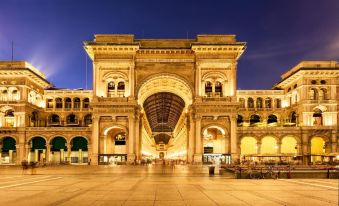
248, 149
38, 150
7, 150
289, 149
164, 98
268, 149
58, 149
317, 149
113, 146
215, 146
79, 150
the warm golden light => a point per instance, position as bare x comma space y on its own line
268, 145
248, 146
288, 145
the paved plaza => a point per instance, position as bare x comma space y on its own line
155, 185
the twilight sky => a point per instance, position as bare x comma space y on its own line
279, 34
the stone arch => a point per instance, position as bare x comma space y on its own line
249, 135
297, 138
248, 145
165, 82
288, 145
12, 136
6, 108
119, 75
269, 135
323, 136
107, 129
269, 144
54, 136
217, 76
84, 136
221, 127
29, 139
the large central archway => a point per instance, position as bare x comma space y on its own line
164, 100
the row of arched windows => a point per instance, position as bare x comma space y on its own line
67, 103
318, 94
271, 119
71, 120
259, 103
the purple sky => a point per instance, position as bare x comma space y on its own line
279, 34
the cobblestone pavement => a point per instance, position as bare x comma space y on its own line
142, 185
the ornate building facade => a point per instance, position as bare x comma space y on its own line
172, 99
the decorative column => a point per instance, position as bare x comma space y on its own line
1, 152
131, 79
190, 138
105, 143
137, 138
306, 148
213, 88
227, 144
116, 89
224, 87
198, 78
131, 140
334, 143
198, 140
234, 141
259, 147
20, 153
69, 152
27, 151
48, 152
299, 149
126, 92
95, 140
203, 93
278, 147
234, 79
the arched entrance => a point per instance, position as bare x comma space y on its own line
38, 150
317, 149
248, 148
289, 150
164, 100
79, 150
269, 149
7, 150
58, 149
113, 146
215, 146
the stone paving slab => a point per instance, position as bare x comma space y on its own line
114, 186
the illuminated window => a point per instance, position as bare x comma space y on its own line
218, 89
259, 102
250, 103
58, 103
88, 120
9, 118
208, 89
72, 119
85, 103
68, 103
54, 119
76, 102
